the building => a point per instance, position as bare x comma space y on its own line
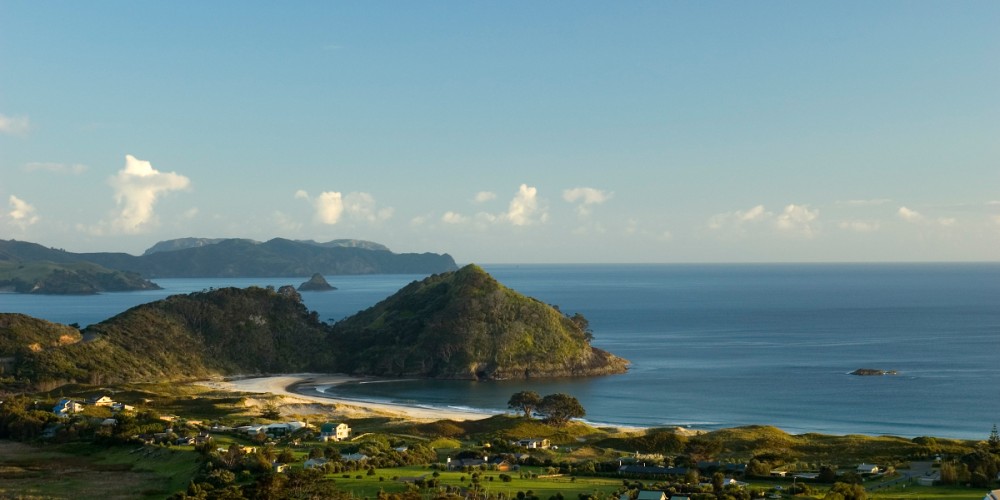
101, 400
66, 407
541, 444
867, 469
334, 432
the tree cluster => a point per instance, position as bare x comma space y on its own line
556, 409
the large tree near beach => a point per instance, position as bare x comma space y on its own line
524, 401
559, 408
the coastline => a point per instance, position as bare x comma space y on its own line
301, 388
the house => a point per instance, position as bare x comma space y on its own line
101, 400
460, 463
282, 429
315, 462
252, 430
279, 468
66, 407
680, 497
651, 495
109, 422
867, 469
503, 465
334, 432
186, 440
354, 457
541, 444
122, 407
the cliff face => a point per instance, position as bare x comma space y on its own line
466, 325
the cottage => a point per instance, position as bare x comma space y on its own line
66, 407
315, 462
334, 432
541, 444
354, 457
122, 408
279, 468
867, 469
101, 400
651, 495
461, 463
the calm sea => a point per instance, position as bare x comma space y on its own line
717, 345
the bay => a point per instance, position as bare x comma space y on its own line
716, 345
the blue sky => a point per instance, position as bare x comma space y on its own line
508, 131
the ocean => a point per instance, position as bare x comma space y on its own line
715, 346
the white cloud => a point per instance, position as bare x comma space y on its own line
191, 213
524, 209
137, 186
585, 196
454, 218
484, 196
22, 213
859, 226
14, 125
946, 221
331, 206
739, 217
362, 206
909, 215
59, 168
798, 219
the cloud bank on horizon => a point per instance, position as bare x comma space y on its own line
638, 133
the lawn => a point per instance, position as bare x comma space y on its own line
369, 486
83, 471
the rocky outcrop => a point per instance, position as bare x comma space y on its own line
316, 284
873, 372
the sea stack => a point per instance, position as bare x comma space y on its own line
316, 284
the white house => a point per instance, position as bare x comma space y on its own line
867, 469
334, 432
101, 400
66, 407
535, 443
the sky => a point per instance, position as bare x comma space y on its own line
508, 132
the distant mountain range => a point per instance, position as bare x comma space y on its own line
211, 258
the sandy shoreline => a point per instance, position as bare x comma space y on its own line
300, 388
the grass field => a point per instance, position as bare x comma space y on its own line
369, 486
83, 471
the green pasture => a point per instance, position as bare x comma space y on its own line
382, 480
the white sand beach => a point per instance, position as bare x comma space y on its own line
279, 385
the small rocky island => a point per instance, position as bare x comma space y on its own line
316, 284
872, 372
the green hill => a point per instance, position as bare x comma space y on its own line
182, 337
466, 325
462, 324
81, 278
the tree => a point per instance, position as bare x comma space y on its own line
559, 408
845, 491
526, 401
994, 441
